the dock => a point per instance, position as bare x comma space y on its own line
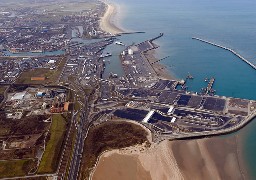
228, 49
209, 86
160, 35
135, 32
160, 60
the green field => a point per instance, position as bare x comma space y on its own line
15, 168
2, 89
52, 152
66, 8
51, 76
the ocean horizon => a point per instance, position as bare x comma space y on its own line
228, 23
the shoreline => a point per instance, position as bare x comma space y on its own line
204, 147
138, 160
139, 148
240, 156
160, 69
196, 159
107, 23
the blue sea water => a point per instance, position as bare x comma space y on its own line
231, 23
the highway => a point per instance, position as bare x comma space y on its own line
82, 130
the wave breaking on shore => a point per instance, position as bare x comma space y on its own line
107, 22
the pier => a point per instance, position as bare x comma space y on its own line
209, 86
228, 49
160, 35
136, 32
160, 60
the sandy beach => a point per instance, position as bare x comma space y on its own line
107, 22
159, 68
210, 158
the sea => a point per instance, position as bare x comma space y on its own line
231, 23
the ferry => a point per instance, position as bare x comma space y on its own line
105, 55
119, 43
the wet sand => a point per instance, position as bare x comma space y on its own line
159, 68
211, 158
131, 168
214, 158
107, 23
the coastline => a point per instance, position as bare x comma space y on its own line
142, 162
228, 164
246, 149
196, 159
160, 69
107, 23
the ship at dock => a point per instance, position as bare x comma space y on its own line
119, 43
105, 55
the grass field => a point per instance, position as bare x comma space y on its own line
2, 89
71, 7
15, 168
49, 161
51, 76
107, 136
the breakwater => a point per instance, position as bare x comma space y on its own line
228, 49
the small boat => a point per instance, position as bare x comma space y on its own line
206, 79
119, 43
190, 76
105, 55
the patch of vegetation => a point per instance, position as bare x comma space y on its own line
2, 89
17, 88
15, 167
49, 162
51, 76
69, 7
24, 126
72, 140
17, 153
108, 136
77, 106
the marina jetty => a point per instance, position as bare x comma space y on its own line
135, 32
153, 39
228, 49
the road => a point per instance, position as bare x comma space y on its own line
82, 130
